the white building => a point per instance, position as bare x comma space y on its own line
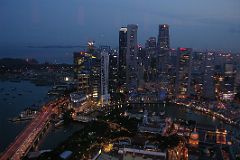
105, 97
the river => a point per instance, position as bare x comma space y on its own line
12, 104
14, 98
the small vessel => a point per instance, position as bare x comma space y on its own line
27, 114
213, 117
59, 123
162, 113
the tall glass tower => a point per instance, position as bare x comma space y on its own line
131, 57
122, 57
163, 37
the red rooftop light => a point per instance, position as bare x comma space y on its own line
182, 49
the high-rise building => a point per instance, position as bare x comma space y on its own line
122, 58
208, 80
105, 97
170, 72
131, 57
95, 82
163, 37
82, 71
113, 72
183, 78
228, 93
149, 59
163, 49
197, 71
87, 74
151, 43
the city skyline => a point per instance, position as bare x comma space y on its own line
200, 25
120, 79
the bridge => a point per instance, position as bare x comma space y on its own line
27, 138
146, 104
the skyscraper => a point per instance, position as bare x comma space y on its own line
104, 78
197, 71
151, 43
131, 57
163, 49
113, 72
122, 57
209, 73
183, 78
163, 37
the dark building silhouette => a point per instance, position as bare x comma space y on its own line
122, 57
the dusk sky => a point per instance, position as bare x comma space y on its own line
198, 24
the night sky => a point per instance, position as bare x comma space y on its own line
199, 24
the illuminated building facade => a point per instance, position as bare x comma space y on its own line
131, 58
87, 74
197, 71
163, 49
113, 72
194, 138
151, 43
95, 78
105, 97
82, 71
179, 152
163, 37
122, 58
221, 136
228, 93
208, 77
183, 77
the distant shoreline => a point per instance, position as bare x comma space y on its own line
57, 46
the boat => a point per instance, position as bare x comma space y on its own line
59, 123
162, 113
27, 114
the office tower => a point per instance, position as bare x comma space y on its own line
148, 56
82, 71
197, 71
163, 37
163, 49
113, 72
122, 59
183, 73
228, 93
208, 80
131, 57
105, 97
237, 80
95, 82
171, 69
151, 43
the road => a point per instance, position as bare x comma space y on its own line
24, 141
